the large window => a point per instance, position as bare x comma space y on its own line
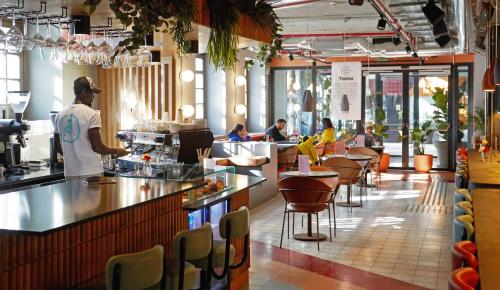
199, 87
10, 75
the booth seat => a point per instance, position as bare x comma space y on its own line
251, 158
253, 137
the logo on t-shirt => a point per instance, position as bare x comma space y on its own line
71, 128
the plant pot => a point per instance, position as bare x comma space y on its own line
385, 160
423, 163
442, 152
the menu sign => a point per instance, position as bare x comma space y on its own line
346, 90
304, 167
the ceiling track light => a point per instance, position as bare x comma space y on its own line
396, 40
408, 49
381, 23
356, 2
290, 57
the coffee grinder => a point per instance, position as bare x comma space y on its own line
10, 151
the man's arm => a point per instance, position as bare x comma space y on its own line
57, 143
99, 147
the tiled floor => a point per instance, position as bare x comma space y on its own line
403, 232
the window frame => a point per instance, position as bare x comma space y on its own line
7, 78
200, 87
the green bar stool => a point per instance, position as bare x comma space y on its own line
231, 225
463, 208
142, 270
463, 230
190, 246
462, 194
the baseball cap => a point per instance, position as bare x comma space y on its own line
86, 83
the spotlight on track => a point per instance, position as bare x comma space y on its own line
414, 54
381, 23
408, 49
432, 12
290, 57
396, 40
356, 2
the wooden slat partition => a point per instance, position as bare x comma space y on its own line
76, 256
148, 85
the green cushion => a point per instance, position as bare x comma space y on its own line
172, 275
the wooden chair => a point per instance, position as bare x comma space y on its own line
141, 270
371, 166
305, 195
349, 173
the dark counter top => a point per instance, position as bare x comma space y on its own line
31, 178
240, 182
483, 174
47, 208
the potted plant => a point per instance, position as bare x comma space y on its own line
379, 128
442, 125
419, 136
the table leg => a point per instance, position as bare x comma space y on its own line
349, 201
309, 235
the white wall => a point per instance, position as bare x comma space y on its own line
257, 98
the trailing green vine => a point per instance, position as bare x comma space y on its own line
147, 16
223, 41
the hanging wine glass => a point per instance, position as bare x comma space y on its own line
145, 57
14, 38
62, 44
105, 52
38, 39
3, 37
73, 45
91, 52
50, 45
28, 43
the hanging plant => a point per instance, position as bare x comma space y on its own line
147, 16
223, 41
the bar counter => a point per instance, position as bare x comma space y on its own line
32, 178
60, 236
483, 174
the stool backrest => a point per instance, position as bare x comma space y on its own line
198, 242
304, 190
463, 228
462, 194
463, 208
463, 254
463, 279
346, 168
239, 220
139, 270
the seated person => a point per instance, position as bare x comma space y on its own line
328, 134
274, 133
239, 133
306, 147
371, 138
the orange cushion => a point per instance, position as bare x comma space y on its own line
247, 161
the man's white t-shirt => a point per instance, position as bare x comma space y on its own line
72, 125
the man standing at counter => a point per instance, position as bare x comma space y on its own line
273, 132
78, 134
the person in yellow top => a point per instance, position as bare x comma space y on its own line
328, 134
306, 147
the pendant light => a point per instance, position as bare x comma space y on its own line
488, 85
496, 69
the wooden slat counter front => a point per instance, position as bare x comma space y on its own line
60, 236
487, 222
483, 174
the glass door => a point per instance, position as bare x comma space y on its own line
384, 111
428, 103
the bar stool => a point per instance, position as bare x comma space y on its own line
462, 194
190, 246
463, 254
141, 270
463, 228
463, 279
231, 225
463, 208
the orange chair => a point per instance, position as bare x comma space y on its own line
320, 148
349, 173
287, 158
463, 279
463, 254
305, 195
333, 182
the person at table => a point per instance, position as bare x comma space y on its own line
370, 137
273, 132
328, 134
77, 133
238, 134
306, 147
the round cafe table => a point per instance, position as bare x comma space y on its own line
314, 174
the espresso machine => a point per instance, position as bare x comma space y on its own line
10, 129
